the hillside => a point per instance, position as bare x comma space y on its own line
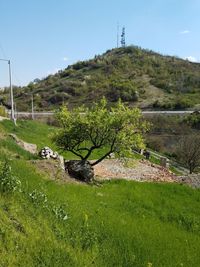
118, 223
139, 77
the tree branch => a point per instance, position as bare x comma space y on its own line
90, 151
107, 154
77, 154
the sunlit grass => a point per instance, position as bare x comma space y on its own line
118, 223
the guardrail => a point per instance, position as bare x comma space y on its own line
146, 112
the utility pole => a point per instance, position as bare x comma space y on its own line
11, 94
32, 107
15, 108
12, 114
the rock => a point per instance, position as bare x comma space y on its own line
111, 156
164, 162
81, 170
47, 153
55, 155
61, 162
32, 148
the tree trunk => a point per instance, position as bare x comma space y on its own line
80, 169
191, 169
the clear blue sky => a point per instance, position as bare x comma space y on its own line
42, 36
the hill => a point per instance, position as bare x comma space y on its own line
139, 77
120, 223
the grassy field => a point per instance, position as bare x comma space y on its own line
117, 223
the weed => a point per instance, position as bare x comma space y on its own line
60, 212
8, 182
38, 197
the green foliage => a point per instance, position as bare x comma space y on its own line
124, 90
193, 120
120, 223
8, 182
30, 131
188, 151
84, 130
3, 111
135, 75
180, 103
60, 212
38, 198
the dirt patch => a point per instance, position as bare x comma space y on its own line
152, 93
32, 148
3, 118
51, 169
109, 169
190, 179
132, 170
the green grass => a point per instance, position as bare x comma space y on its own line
9, 145
118, 223
31, 131
41, 134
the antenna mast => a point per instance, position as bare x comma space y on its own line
123, 40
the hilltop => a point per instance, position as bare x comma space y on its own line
139, 77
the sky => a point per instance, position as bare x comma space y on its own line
41, 37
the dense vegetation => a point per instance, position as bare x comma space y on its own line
139, 77
120, 223
98, 129
166, 132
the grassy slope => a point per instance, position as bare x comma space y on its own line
120, 223
167, 82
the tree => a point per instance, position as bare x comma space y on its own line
188, 151
85, 130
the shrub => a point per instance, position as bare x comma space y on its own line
60, 213
8, 182
182, 103
124, 90
193, 120
3, 111
38, 197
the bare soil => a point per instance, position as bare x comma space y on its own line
110, 169
141, 170
32, 148
3, 118
51, 169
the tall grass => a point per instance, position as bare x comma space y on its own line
118, 223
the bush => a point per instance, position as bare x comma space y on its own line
38, 198
8, 182
124, 90
193, 120
3, 111
182, 103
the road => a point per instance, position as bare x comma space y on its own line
146, 112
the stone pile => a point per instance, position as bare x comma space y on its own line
190, 179
47, 153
